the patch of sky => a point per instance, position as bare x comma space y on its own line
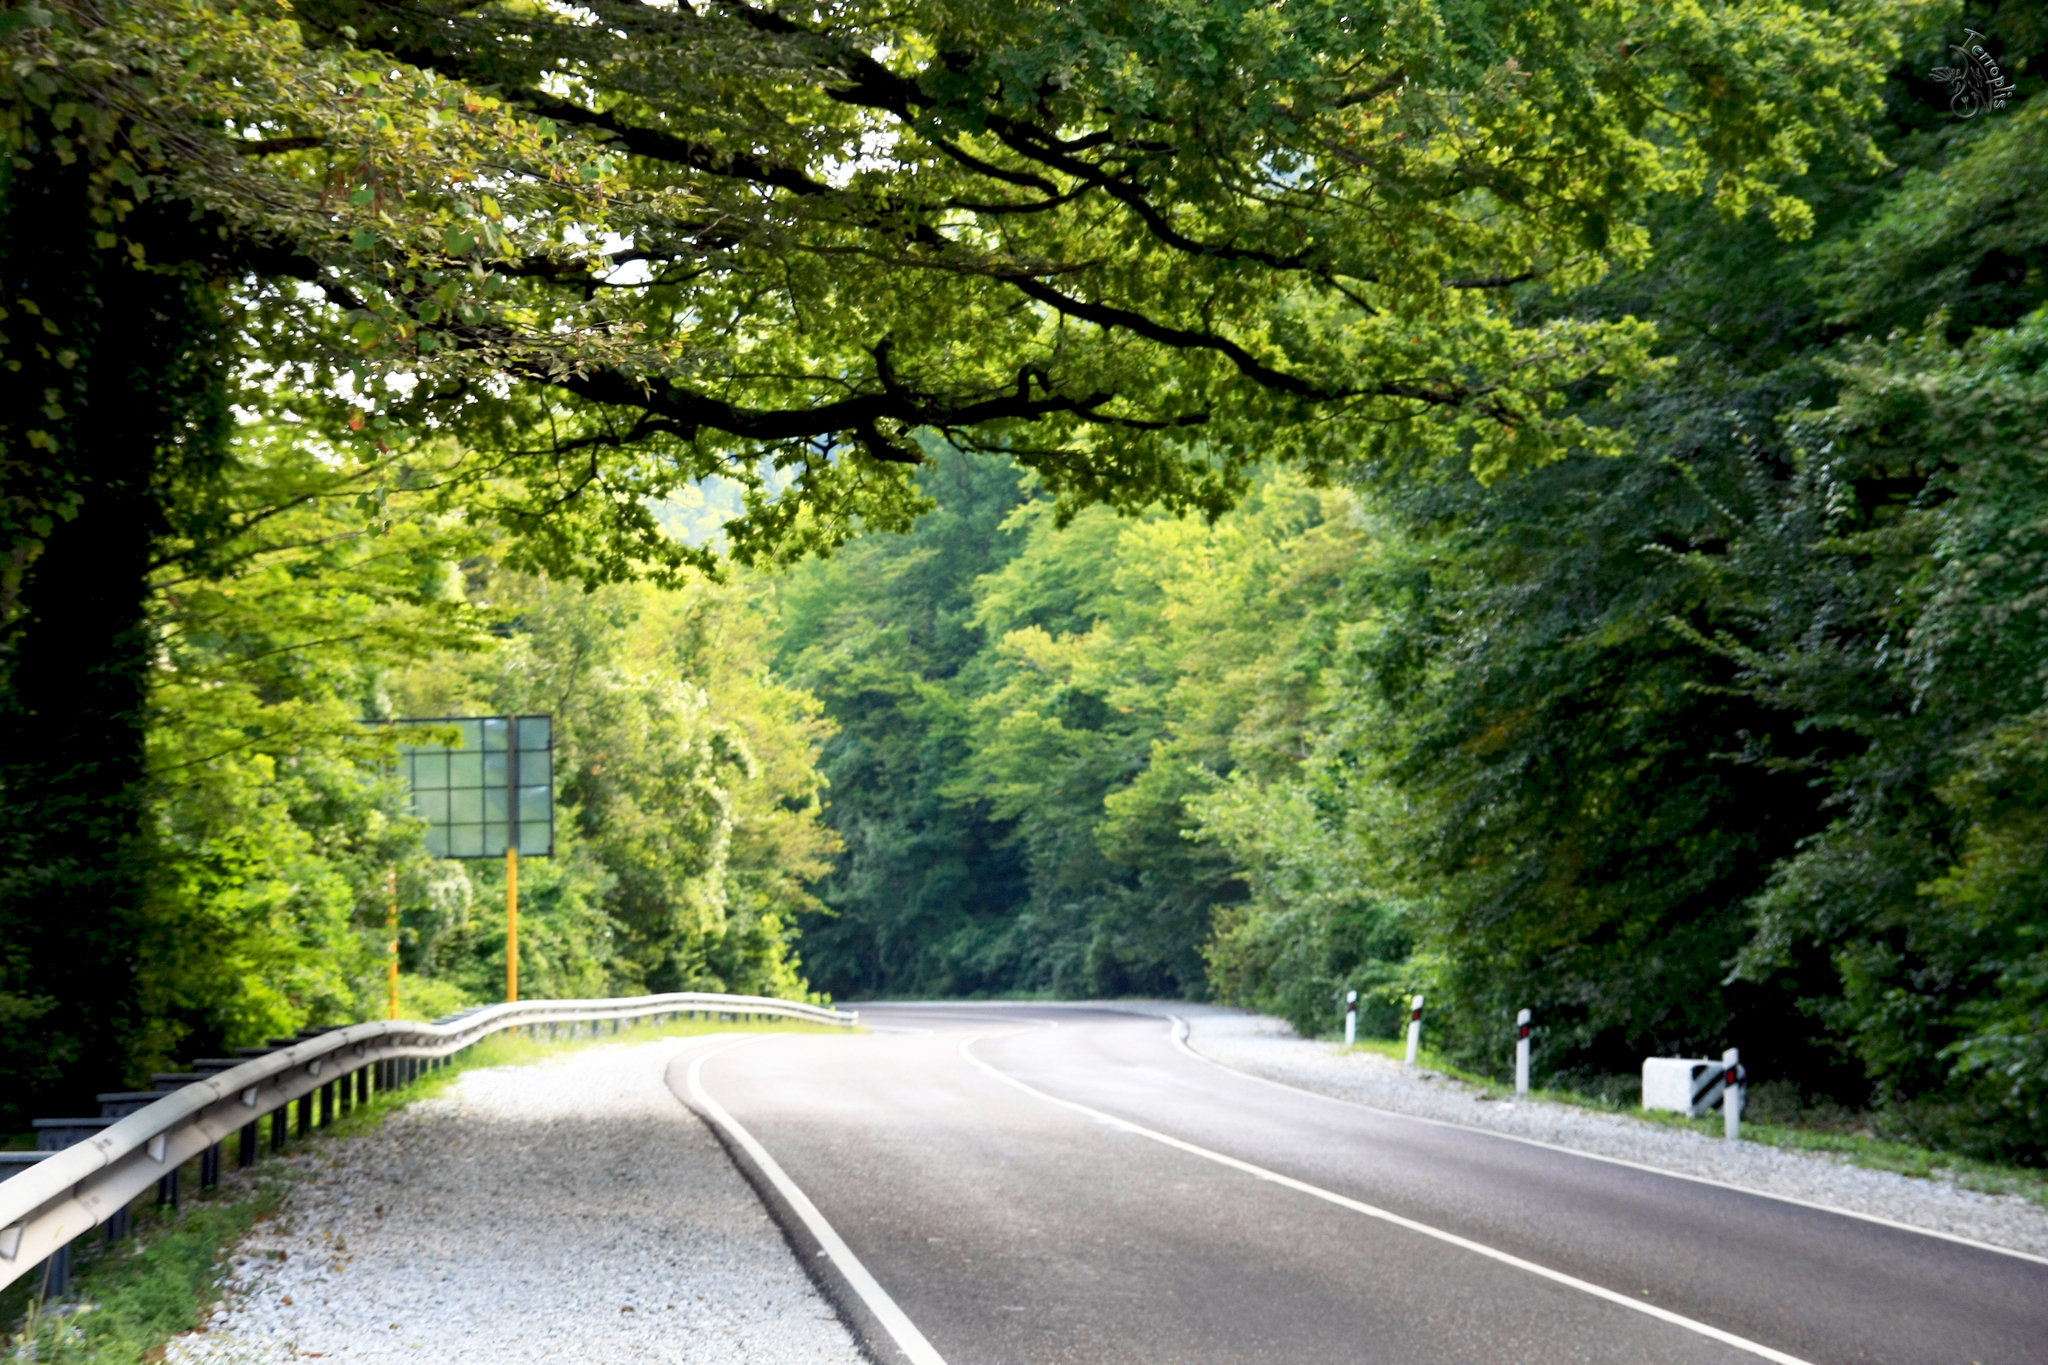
877, 153
632, 272
697, 512
1288, 170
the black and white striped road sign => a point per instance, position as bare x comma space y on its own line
1710, 1085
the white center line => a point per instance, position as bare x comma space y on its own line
1754, 1348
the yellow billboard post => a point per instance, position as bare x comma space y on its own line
512, 923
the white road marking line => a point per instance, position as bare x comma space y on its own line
1184, 1030
893, 1319
1754, 1348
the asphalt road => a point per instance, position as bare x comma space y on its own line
1012, 1227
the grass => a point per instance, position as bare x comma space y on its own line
1856, 1148
127, 1301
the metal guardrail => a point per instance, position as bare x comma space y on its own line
62, 1195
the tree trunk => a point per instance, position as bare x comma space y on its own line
118, 369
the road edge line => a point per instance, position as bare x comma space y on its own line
1182, 1036
875, 1299
1652, 1310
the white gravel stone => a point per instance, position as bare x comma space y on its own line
568, 1211
1271, 1049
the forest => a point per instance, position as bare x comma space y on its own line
1541, 507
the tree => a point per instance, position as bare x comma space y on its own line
1028, 713
688, 827
884, 633
617, 248
1910, 617
1734, 740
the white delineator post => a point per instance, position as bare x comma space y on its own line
1522, 1053
1414, 1029
1350, 1018
1731, 1094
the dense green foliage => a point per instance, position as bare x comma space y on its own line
687, 801
1735, 739
1026, 712
535, 269
687, 791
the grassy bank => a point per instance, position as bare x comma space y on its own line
1832, 1136
126, 1301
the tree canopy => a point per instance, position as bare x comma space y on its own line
641, 243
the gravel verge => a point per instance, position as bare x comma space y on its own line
1269, 1048
570, 1210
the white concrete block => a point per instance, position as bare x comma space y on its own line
1667, 1082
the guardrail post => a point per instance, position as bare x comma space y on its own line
209, 1168
305, 1107
1414, 1029
1522, 1053
167, 1192
245, 1150
280, 1124
327, 1105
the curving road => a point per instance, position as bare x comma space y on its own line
991, 1185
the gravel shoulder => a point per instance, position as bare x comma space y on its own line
570, 1210
1269, 1048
